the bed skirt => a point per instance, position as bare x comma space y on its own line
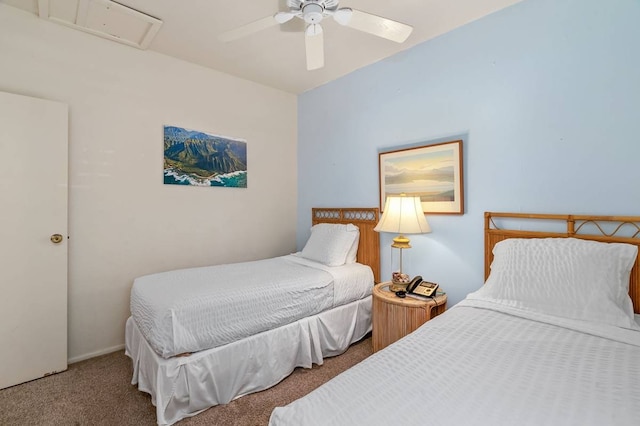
185, 386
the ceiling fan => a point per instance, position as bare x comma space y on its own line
312, 12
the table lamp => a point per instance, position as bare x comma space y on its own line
402, 215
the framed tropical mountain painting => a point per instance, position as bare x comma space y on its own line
192, 157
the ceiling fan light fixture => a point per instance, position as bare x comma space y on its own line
312, 13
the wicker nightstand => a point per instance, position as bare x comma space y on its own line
394, 317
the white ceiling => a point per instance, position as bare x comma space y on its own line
276, 56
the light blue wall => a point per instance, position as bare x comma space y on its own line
545, 95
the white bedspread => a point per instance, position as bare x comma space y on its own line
476, 365
190, 310
184, 386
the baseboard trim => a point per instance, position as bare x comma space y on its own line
95, 354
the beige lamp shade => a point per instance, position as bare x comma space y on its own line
403, 215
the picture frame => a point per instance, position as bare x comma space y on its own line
432, 172
197, 158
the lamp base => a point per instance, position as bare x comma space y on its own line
401, 242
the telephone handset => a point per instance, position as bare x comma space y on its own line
422, 288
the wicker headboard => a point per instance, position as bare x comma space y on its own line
364, 218
608, 229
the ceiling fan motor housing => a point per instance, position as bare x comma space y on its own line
298, 4
313, 11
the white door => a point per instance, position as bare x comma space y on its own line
33, 208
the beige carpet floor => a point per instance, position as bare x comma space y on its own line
99, 392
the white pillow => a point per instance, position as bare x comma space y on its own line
352, 255
330, 243
565, 277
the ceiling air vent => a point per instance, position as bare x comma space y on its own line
103, 18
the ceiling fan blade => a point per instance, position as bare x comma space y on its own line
343, 15
314, 43
248, 29
282, 17
373, 24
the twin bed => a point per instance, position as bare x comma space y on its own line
551, 338
200, 337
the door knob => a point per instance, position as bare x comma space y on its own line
56, 238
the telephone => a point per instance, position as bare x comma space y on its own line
422, 288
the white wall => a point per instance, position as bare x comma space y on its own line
123, 221
545, 95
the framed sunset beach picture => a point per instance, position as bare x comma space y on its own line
432, 172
